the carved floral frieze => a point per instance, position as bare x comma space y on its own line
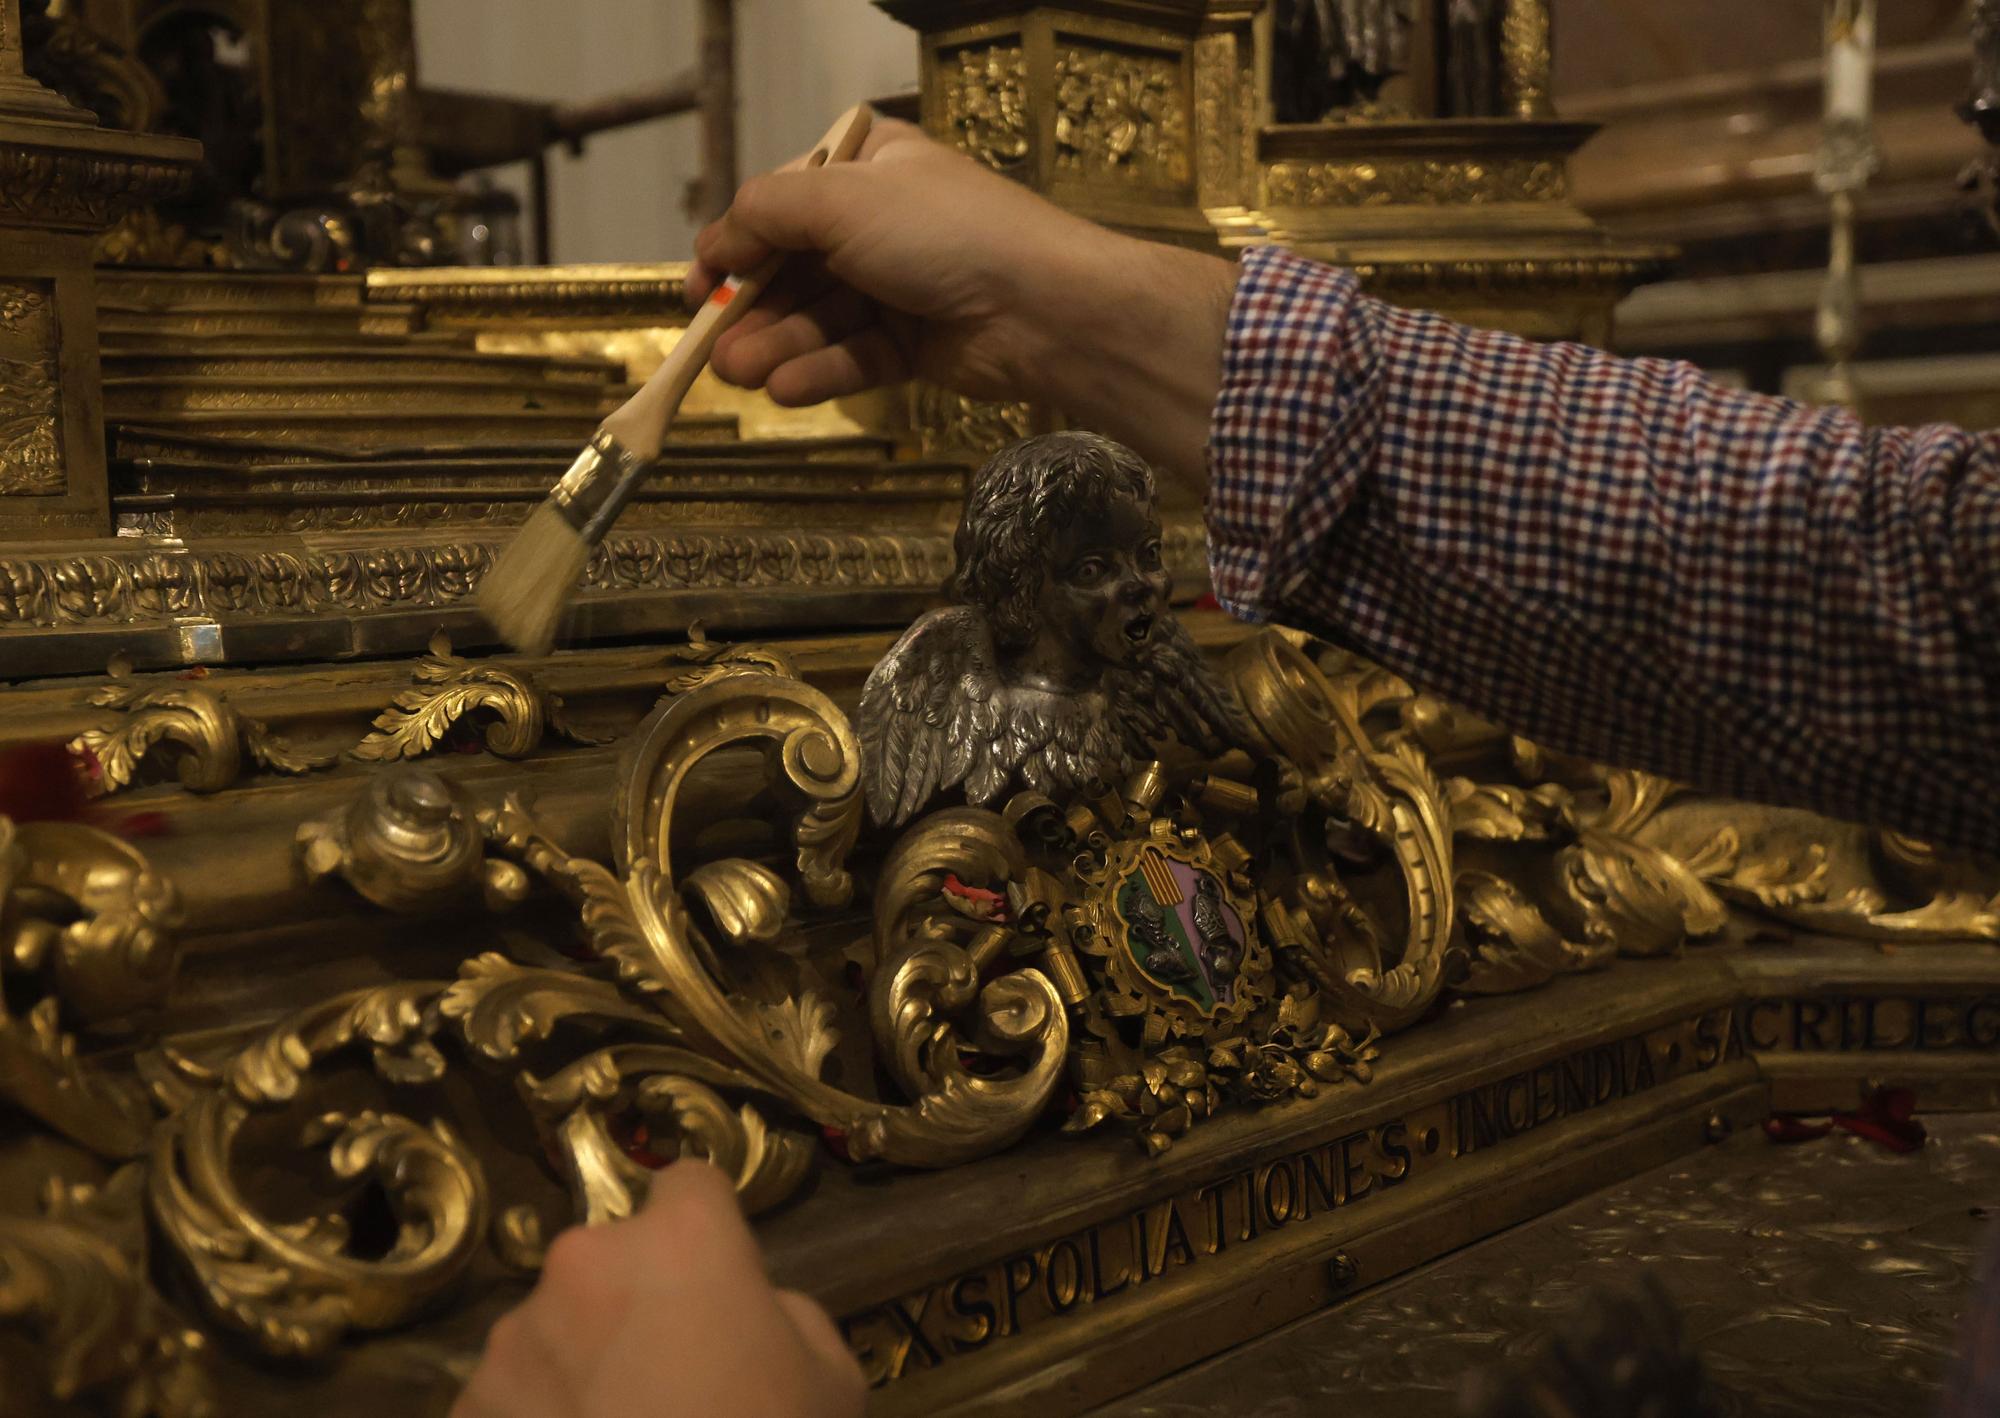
124, 588
1387, 181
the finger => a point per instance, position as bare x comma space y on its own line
885, 135
751, 351
521, 1372
693, 1225
801, 279
782, 211
822, 1339
864, 361
698, 285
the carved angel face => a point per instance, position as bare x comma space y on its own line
1104, 589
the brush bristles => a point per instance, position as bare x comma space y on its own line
525, 592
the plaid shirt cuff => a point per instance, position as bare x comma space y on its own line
1278, 480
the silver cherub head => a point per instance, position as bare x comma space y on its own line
1059, 659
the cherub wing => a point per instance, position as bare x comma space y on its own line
928, 717
1176, 692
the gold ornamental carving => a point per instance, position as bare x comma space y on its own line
86, 939
514, 712
985, 103
194, 725
1225, 119
1390, 181
31, 461
74, 1277
1216, 932
119, 587
1121, 113
1525, 60
65, 188
946, 423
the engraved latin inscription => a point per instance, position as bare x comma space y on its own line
30, 406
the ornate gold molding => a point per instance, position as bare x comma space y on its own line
80, 185
946, 423
124, 587
1387, 181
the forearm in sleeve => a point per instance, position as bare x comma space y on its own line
1619, 558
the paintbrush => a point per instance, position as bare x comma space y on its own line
524, 595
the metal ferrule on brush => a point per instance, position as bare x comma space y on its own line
597, 486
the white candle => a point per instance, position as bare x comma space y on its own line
1850, 59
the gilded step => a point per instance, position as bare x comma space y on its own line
147, 396
352, 362
367, 428
140, 339
176, 290
119, 319
340, 433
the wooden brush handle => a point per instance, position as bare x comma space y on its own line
641, 423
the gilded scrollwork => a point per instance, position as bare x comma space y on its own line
85, 924
673, 1095
1387, 793
295, 1286
1512, 945
206, 738
985, 103
75, 1278
808, 741
707, 660
517, 713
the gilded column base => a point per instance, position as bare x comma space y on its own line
61, 183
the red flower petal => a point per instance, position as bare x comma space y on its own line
1780, 1127
1886, 1117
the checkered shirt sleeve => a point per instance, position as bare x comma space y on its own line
1618, 558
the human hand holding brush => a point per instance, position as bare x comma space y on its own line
525, 593
917, 262
879, 257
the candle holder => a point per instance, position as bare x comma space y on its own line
1847, 159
